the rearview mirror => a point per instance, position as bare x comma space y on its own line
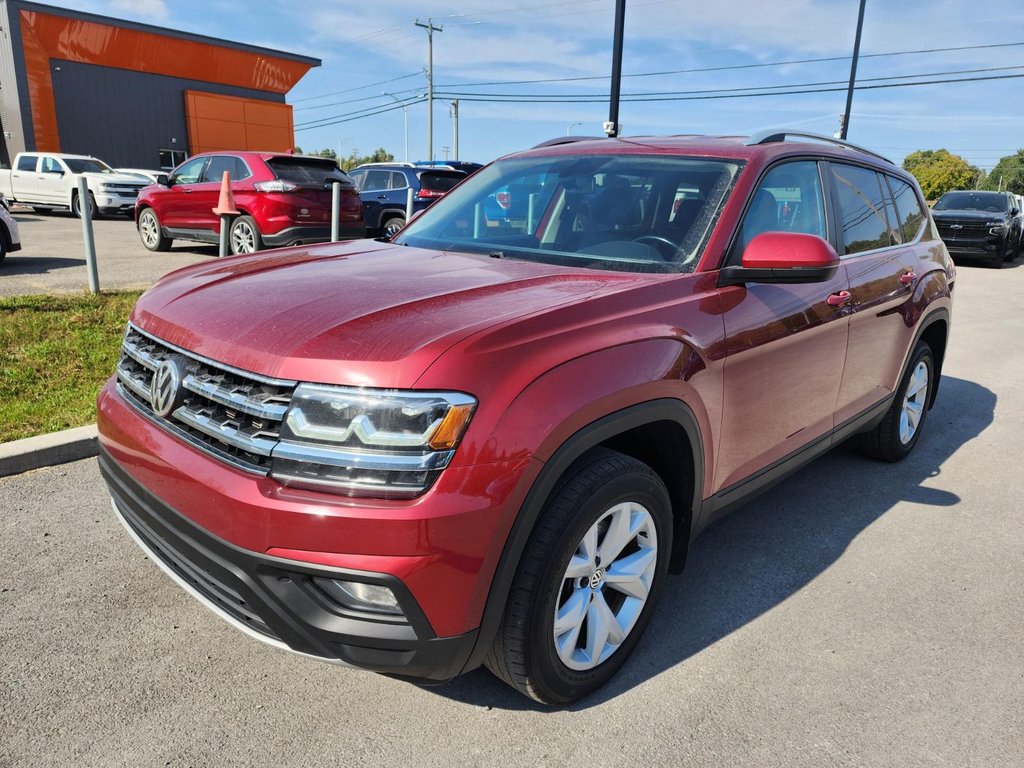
783, 257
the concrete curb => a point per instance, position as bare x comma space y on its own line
20, 456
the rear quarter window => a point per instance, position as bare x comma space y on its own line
908, 206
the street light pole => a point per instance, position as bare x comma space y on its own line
405, 112
568, 130
455, 118
845, 125
431, 29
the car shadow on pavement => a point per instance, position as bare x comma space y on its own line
37, 265
762, 554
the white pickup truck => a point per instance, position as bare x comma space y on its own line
47, 180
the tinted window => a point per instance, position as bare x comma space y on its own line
51, 165
190, 172
788, 199
440, 181
307, 171
220, 163
171, 158
27, 162
861, 208
357, 178
87, 165
398, 180
993, 202
909, 208
376, 180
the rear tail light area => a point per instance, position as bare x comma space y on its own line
275, 185
429, 194
503, 199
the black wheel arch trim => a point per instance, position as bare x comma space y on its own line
587, 438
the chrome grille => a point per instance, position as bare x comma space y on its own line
231, 414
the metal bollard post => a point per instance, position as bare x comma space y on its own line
531, 202
335, 212
408, 205
225, 227
478, 218
90, 242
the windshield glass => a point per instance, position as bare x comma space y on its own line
992, 202
87, 165
623, 212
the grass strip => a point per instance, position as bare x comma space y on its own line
55, 354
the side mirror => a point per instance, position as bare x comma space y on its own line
163, 180
1014, 211
783, 257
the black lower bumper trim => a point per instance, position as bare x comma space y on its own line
275, 599
306, 235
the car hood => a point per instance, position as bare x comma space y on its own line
968, 215
115, 178
363, 313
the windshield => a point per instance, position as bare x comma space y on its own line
87, 165
992, 202
622, 212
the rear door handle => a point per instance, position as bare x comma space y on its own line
908, 278
839, 299
382, 197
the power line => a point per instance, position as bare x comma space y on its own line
358, 114
357, 88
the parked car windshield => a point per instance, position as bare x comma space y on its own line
628, 213
992, 202
87, 165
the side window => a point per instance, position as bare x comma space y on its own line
190, 172
788, 199
241, 169
358, 177
861, 209
909, 208
215, 169
376, 180
27, 162
398, 180
51, 165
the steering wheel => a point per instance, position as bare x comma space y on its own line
660, 243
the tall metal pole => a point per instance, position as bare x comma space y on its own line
405, 112
431, 29
845, 127
612, 126
455, 117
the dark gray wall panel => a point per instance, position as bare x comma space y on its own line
125, 117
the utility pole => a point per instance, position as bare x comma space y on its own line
845, 126
455, 117
431, 29
612, 126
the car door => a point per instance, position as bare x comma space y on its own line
179, 207
25, 179
51, 181
206, 194
883, 273
785, 344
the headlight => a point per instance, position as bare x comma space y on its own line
362, 442
996, 228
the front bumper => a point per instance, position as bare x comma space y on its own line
115, 203
276, 600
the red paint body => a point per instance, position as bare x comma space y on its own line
546, 350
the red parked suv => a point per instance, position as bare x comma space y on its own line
478, 445
282, 200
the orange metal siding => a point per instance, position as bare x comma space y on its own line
217, 122
46, 36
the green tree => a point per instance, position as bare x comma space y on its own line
379, 155
939, 170
1008, 174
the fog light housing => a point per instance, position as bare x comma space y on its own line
359, 596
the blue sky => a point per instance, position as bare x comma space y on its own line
363, 44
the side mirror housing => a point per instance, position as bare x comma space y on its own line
163, 180
1014, 211
783, 257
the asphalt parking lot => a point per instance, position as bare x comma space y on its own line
859, 614
52, 258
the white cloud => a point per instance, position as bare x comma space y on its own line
155, 10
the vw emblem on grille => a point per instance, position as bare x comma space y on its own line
166, 391
956, 226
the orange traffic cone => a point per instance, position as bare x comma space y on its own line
226, 204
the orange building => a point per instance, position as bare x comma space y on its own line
136, 95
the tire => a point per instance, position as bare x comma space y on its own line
391, 226
897, 434
997, 261
4, 247
76, 206
151, 233
41, 209
599, 492
245, 236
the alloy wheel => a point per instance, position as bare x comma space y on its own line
914, 402
243, 239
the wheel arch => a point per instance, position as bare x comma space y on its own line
662, 433
935, 331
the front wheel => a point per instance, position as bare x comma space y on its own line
76, 206
392, 226
588, 580
245, 236
897, 434
151, 233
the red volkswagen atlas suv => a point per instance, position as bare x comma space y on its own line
281, 199
475, 445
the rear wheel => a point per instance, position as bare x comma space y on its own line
245, 236
588, 580
897, 434
151, 233
392, 226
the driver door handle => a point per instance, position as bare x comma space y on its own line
839, 299
908, 278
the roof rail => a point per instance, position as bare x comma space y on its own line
391, 163
566, 140
781, 134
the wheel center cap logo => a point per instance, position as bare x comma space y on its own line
597, 579
166, 392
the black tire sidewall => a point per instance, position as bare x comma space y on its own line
556, 681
